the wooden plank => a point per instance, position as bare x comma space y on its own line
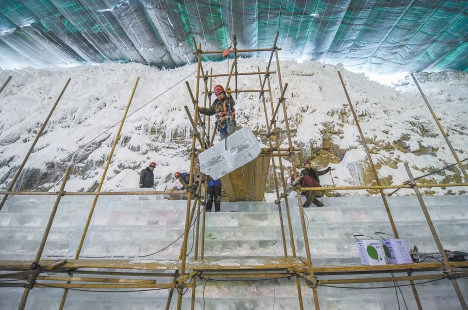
246, 263
247, 183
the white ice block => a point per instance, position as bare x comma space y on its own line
227, 155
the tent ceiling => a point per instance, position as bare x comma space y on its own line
374, 36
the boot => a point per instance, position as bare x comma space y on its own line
318, 203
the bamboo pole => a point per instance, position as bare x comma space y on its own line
369, 158
377, 179
155, 193
31, 148
195, 256
445, 260
436, 119
5, 84
280, 213
269, 62
34, 265
282, 176
239, 74
171, 291
246, 50
183, 251
96, 197
154, 268
200, 123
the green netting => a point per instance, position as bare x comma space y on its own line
382, 36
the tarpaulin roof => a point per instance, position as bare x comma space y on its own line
374, 36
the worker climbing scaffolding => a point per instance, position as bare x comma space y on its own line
223, 109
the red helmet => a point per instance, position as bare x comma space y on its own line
153, 164
218, 89
306, 162
176, 175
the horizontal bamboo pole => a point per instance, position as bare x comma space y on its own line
96, 280
331, 188
241, 51
152, 193
104, 286
136, 193
239, 73
244, 275
238, 264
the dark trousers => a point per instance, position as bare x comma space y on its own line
310, 198
214, 194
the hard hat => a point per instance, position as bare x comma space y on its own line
153, 164
176, 175
218, 89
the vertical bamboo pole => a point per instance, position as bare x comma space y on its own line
5, 84
183, 251
434, 116
301, 211
282, 179
369, 158
377, 179
35, 264
20, 169
283, 233
96, 196
445, 260
171, 290
195, 255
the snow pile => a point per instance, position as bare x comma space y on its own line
395, 121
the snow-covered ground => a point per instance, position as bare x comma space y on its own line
396, 123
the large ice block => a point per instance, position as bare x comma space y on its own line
227, 155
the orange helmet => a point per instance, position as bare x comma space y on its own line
176, 175
218, 89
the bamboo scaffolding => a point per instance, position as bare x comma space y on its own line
31, 148
377, 179
157, 193
278, 268
436, 119
239, 74
246, 50
183, 273
435, 235
235, 264
34, 265
96, 197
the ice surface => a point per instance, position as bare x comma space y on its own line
226, 156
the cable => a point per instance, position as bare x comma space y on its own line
377, 287
396, 285
427, 174
204, 287
139, 256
